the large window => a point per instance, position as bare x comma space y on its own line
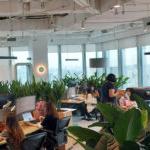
71, 57
22, 54
22, 68
53, 62
146, 66
90, 53
112, 59
129, 57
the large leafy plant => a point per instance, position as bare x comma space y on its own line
122, 128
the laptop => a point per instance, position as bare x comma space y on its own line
27, 117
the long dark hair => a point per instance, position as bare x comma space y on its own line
51, 109
14, 130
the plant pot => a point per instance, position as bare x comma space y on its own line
71, 92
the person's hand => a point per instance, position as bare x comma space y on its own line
2, 138
41, 118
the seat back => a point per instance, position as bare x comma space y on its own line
34, 142
62, 123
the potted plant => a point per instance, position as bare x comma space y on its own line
123, 131
70, 82
20, 91
56, 94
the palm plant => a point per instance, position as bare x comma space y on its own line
57, 92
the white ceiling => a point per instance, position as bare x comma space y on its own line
66, 16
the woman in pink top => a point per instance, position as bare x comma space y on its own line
125, 101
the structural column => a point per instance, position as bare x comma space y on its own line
59, 62
120, 60
139, 63
84, 59
39, 47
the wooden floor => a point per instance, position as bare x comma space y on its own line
83, 123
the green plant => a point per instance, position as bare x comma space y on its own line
69, 80
96, 81
121, 80
4, 88
123, 128
57, 92
15, 89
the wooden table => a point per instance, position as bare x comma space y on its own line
27, 129
77, 100
72, 101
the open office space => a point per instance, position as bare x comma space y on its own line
74, 74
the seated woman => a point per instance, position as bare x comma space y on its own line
126, 103
13, 133
49, 122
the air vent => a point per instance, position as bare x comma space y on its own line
11, 39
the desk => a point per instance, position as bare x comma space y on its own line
26, 128
72, 101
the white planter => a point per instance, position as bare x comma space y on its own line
71, 92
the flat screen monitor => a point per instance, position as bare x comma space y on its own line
25, 104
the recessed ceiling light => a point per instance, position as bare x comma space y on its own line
117, 6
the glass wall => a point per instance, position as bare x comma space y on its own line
146, 66
90, 53
71, 58
112, 59
22, 70
72, 62
22, 54
129, 58
53, 62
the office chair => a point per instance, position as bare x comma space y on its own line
58, 137
34, 142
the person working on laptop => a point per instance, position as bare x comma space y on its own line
13, 133
49, 123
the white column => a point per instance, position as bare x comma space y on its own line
39, 47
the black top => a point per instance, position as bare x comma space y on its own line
105, 93
49, 123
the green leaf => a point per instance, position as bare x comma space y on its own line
101, 124
84, 134
128, 126
111, 113
130, 145
86, 147
141, 104
144, 118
